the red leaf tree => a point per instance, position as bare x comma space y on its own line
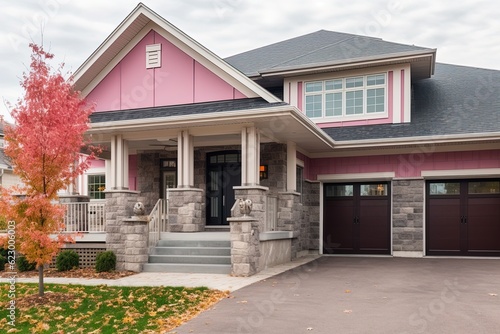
44, 147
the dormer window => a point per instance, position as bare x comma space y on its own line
355, 97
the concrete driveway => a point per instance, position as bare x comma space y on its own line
364, 295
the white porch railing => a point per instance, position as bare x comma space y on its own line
85, 217
157, 222
272, 214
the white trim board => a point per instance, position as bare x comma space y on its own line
381, 176
461, 173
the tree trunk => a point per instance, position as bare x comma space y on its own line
40, 281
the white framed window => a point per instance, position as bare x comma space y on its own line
96, 184
362, 96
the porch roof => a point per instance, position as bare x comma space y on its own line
180, 110
221, 120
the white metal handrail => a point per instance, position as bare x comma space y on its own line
157, 222
85, 217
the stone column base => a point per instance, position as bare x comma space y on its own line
245, 248
131, 244
185, 210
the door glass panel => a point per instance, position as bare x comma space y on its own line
444, 188
214, 181
169, 180
339, 190
373, 189
214, 207
484, 187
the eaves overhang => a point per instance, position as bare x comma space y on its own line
281, 123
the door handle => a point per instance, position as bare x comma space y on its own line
223, 200
463, 219
356, 220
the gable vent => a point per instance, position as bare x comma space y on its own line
153, 55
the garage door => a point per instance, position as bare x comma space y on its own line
356, 218
463, 218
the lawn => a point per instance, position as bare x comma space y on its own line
103, 309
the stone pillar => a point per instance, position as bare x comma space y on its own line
290, 219
119, 206
245, 248
407, 217
185, 207
258, 196
134, 234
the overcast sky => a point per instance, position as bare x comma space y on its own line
465, 32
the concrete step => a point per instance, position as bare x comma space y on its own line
187, 268
194, 243
220, 251
191, 259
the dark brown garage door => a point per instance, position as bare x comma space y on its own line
356, 218
463, 218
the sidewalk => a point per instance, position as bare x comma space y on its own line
211, 281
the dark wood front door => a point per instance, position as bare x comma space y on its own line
356, 218
463, 218
223, 173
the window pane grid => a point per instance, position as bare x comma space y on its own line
353, 96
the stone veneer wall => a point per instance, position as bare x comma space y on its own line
290, 219
274, 156
185, 207
310, 213
408, 208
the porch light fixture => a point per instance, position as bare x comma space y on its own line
263, 172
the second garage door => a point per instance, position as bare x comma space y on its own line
356, 218
463, 218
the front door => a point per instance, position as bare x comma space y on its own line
223, 173
356, 218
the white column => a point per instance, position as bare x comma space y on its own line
119, 163
291, 167
185, 160
112, 175
250, 156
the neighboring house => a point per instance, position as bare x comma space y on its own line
352, 144
7, 176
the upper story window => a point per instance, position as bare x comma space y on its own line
346, 97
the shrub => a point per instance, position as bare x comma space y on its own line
3, 260
67, 260
105, 261
24, 265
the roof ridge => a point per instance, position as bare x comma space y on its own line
315, 50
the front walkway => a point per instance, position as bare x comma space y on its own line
212, 281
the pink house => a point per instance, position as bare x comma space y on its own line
345, 144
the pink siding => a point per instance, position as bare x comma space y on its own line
97, 163
132, 172
406, 165
180, 80
209, 87
307, 165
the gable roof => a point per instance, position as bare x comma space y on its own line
322, 48
138, 23
458, 100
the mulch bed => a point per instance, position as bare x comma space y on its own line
75, 273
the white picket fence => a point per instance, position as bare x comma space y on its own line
85, 217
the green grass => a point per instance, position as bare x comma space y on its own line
104, 309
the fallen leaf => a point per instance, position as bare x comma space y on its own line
241, 302
309, 328
348, 311
347, 291
493, 294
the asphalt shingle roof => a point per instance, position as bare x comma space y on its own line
179, 110
456, 100
316, 48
